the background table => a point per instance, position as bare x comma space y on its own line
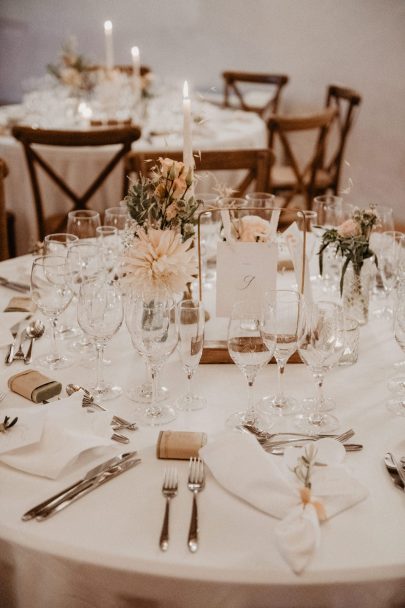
103, 550
215, 129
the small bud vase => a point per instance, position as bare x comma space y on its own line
356, 291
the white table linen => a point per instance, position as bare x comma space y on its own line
103, 550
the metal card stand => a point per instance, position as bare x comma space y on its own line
216, 351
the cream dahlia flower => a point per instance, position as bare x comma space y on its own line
159, 260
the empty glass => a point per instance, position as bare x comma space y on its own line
396, 384
110, 248
83, 223
58, 243
250, 353
117, 217
190, 325
390, 251
100, 315
51, 291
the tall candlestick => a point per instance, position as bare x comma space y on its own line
136, 62
109, 49
188, 159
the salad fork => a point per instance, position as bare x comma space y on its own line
169, 491
196, 483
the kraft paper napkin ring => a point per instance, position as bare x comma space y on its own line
306, 499
34, 386
20, 304
179, 445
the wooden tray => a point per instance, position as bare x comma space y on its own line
216, 351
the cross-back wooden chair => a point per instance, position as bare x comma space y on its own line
300, 177
4, 247
257, 163
32, 138
346, 103
234, 85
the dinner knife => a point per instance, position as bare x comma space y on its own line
21, 287
90, 476
82, 490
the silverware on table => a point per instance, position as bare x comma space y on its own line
263, 436
392, 470
2, 396
34, 331
21, 287
11, 349
119, 437
196, 483
398, 467
279, 450
267, 444
169, 491
91, 475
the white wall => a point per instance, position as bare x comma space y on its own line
359, 43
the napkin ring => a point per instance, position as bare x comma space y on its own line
34, 386
179, 445
306, 499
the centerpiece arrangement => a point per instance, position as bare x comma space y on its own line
351, 240
73, 69
158, 253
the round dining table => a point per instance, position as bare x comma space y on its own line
214, 128
103, 550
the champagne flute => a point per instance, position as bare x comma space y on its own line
83, 223
52, 293
321, 347
190, 324
153, 331
100, 315
250, 353
281, 326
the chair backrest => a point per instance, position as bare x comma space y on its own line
123, 137
304, 173
256, 162
4, 250
346, 102
235, 83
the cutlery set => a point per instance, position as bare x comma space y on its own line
20, 333
195, 483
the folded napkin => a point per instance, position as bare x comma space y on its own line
240, 465
7, 320
68, 430
27, 430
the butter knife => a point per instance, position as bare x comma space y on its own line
82, 490
21, 287
399, 468
90, 476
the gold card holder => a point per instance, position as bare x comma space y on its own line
216, 351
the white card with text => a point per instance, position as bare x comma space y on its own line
245, 271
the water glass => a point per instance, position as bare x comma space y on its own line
190, 318
83, 223
58, 243
351, 341
117, 217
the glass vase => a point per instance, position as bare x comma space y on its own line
356, 292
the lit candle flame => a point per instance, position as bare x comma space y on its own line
135, 52
108, 26
185, 90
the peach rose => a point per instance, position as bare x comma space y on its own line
348, 229
253, 229
171, 168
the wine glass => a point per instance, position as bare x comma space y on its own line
396, 384
117, 217
250, 353
384, 223
190, 325
391, 245
83, 223
321, 346
52, 293
281, 325
153, 330
110, 248
100, 315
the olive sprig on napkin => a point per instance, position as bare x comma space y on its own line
6, 424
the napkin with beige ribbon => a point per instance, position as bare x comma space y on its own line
63, 430
267, 482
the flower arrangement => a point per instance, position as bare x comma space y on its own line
158, 250
73, 70
352, 240
251, 229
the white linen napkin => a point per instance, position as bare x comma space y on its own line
7, 320
27, 430
69, 429
240, 465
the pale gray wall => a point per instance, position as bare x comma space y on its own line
359, 43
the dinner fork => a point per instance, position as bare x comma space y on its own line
196, 483
169, 491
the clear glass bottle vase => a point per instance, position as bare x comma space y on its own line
356, 291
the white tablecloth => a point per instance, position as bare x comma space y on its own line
216, 129
103, 550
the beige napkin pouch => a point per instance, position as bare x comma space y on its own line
179, 445
20, 304
34, 386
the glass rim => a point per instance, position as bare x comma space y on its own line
50, 238
116, 211
50, 256
84, 213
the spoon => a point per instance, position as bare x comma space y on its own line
34, 331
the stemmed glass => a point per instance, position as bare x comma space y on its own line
280, 329
250, 353
190, 325
83, 223
110, 248
391, 245
100, 315
116, 217
52, 293
396, 384
153, 330
321, 347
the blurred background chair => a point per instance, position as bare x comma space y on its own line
4, 246
32, 138
256, 164
302, 140
253, 92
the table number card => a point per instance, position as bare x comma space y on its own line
244, 272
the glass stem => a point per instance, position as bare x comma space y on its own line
153, 410
54, 343
250, 414
316, 416
190, 374
280, 399
100, 384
